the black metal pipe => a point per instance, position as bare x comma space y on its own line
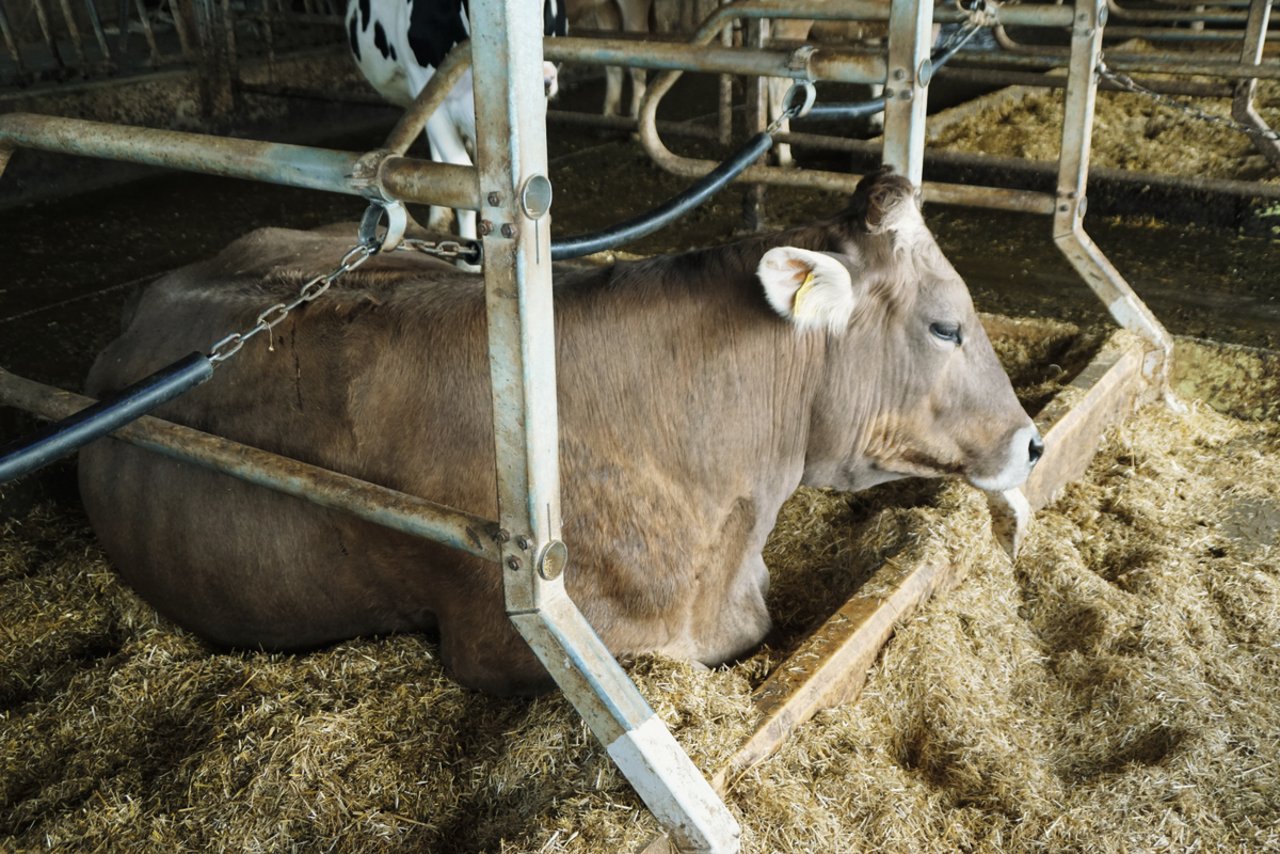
829, 112
668, 211
60, 438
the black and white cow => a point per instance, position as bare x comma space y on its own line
398, 46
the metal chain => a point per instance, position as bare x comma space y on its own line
1127, 83
272, 317
467, 251
371, 244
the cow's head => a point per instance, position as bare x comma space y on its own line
910, 383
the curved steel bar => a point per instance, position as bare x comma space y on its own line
1025, 15
387, 507
1135, 63
379, 175
455, 64
1159, 16
835, 65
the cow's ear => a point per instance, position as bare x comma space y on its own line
811, 289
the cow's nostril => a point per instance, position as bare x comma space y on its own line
1036, 450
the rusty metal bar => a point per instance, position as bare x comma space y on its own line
1135, 63
1162, 16
826, 64
383, 175
992, 77
627, 124
1242, 108
387, 507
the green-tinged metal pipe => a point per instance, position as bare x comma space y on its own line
824, 64
407, 179
378, 504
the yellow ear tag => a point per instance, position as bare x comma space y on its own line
801, 293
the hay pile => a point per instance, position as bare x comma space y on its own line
1131, 132
1118, 688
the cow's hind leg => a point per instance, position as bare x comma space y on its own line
447, 147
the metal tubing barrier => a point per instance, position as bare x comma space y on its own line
68, 435
837, 66
407, 179
1242, 108
670, 210
387, 507
1160, 16
1135, 64
1026, 15
985, 197
1073, 175
511, 155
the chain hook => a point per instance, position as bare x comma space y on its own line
397, 220
796, 103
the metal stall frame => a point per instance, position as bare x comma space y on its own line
829, 667
512, 194
510, 189
1242, 107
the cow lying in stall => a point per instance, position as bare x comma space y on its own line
696, 391
398, 45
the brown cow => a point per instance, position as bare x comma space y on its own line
696, 391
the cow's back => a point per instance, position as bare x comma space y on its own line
345, 383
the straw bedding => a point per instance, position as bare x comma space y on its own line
1132, 132
1115, 689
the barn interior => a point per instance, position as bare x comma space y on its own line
1113, 687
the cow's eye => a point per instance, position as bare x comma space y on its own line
946, 332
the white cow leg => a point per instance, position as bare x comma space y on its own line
612, 90
447, 147
639, 79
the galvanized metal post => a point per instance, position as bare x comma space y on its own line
757, 119
1073, 176
515, 195
905, 90
1242, 109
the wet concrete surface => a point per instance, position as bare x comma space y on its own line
69, 265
